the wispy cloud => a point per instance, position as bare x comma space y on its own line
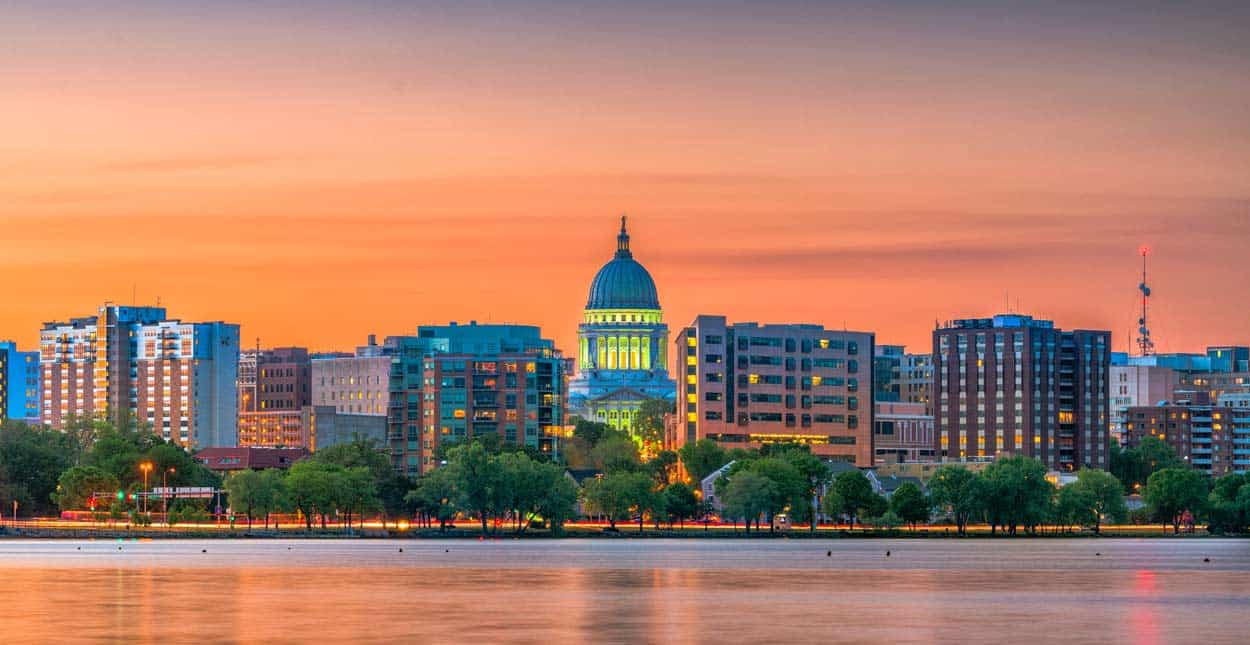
205, 163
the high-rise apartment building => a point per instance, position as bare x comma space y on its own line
1015, 385
450, 383
747, 385
19, 383
134, 363
275, 387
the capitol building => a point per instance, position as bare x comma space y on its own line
622, 357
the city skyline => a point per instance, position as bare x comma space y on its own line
404, 164
914, 333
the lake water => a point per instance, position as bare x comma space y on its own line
627, 591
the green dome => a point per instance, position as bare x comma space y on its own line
623, 283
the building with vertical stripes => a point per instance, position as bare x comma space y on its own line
1016, 385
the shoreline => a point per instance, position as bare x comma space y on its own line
145, 533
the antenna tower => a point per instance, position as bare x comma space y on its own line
1145, 346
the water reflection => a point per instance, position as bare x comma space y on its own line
625, 591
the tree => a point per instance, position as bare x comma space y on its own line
1133, 466
958, 491
256, 493
1229, 504
615, 495
852, 493
390, 487
790, 490
312, 487
536, 489
681, 503
815, 476
748, 495
654, 504
1172, 491
1074, 506
357, 493
592, 432
910, 504
558, 502
1104, 494
479, 480
436, 494
77, 486
243, 491
616, 454
1017, 494
702, 458
661, 467
31, 461
273, 496
83, 431
649, 422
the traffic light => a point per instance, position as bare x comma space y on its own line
121, 495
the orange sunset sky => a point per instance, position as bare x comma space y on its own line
320, 171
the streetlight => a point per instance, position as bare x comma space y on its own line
165, 491
146, 467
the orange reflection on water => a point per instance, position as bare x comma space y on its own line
683, 591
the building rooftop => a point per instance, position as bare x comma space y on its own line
249, 457
999, 321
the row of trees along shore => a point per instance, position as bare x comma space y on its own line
504, 487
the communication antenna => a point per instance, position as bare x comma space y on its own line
1145, 346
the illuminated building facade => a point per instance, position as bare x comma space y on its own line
131, 362
622, 357
1015, 385
1214, 438
274, 387
19, 383
450, 383
357, 384
747, 385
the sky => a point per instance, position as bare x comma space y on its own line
321, 171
